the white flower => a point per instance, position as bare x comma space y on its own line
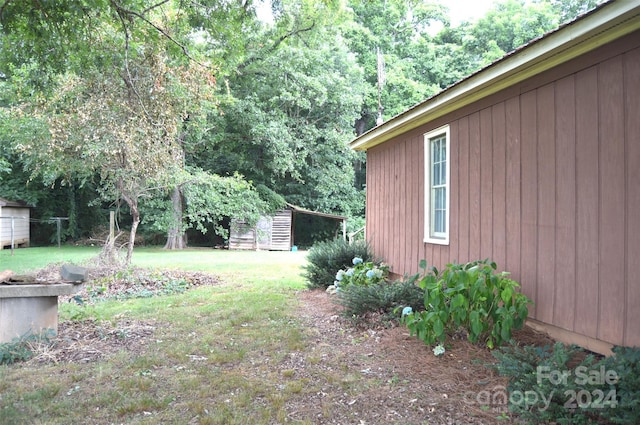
407, 310
438, 350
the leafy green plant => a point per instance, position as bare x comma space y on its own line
380, 297
326, 258
19, 349
362, 273
556, 383
626, 364
363, 288
471, 297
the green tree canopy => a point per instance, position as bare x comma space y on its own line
153, 104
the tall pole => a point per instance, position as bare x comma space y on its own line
59, 226
13, 227
112, 227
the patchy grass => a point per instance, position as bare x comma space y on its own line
255, 347
210, 360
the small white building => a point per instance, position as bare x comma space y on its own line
14, 223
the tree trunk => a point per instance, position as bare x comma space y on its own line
175, 236
132, 201
135, 215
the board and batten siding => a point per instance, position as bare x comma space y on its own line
545, 180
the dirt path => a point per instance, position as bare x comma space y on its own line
400, 378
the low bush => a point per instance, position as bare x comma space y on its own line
362, 273
380, 297
567, 385
471, 297
543, 386
326, 258
626, 364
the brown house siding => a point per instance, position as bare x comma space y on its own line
545, 180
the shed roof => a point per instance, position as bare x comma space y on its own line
301, 210
7, 203
602, 25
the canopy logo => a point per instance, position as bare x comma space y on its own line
598, 390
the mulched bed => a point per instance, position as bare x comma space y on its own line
89, 341
85, 341
421, 388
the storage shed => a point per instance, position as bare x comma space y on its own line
275, 233
533, 162
14, 223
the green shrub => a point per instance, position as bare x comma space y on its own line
558, 384
326, 258
471, 297
379, 297
626, 364
362, 273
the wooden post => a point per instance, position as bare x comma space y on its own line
59, 227
112, 231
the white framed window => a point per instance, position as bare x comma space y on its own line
437, 189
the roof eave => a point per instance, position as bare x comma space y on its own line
609, 23
301, 210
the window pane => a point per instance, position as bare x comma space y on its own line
435, 151
439, 198
440, 222
437, 225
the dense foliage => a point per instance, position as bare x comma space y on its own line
625, 362
127, 104
471, 298
326, 258
566, 385
384, 298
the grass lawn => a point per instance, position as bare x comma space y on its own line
205, 362
251, 347
273, 269
25, 259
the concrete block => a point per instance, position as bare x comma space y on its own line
71, 273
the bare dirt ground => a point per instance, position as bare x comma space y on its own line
416, 386
397, 378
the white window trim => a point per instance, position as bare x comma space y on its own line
429, 237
